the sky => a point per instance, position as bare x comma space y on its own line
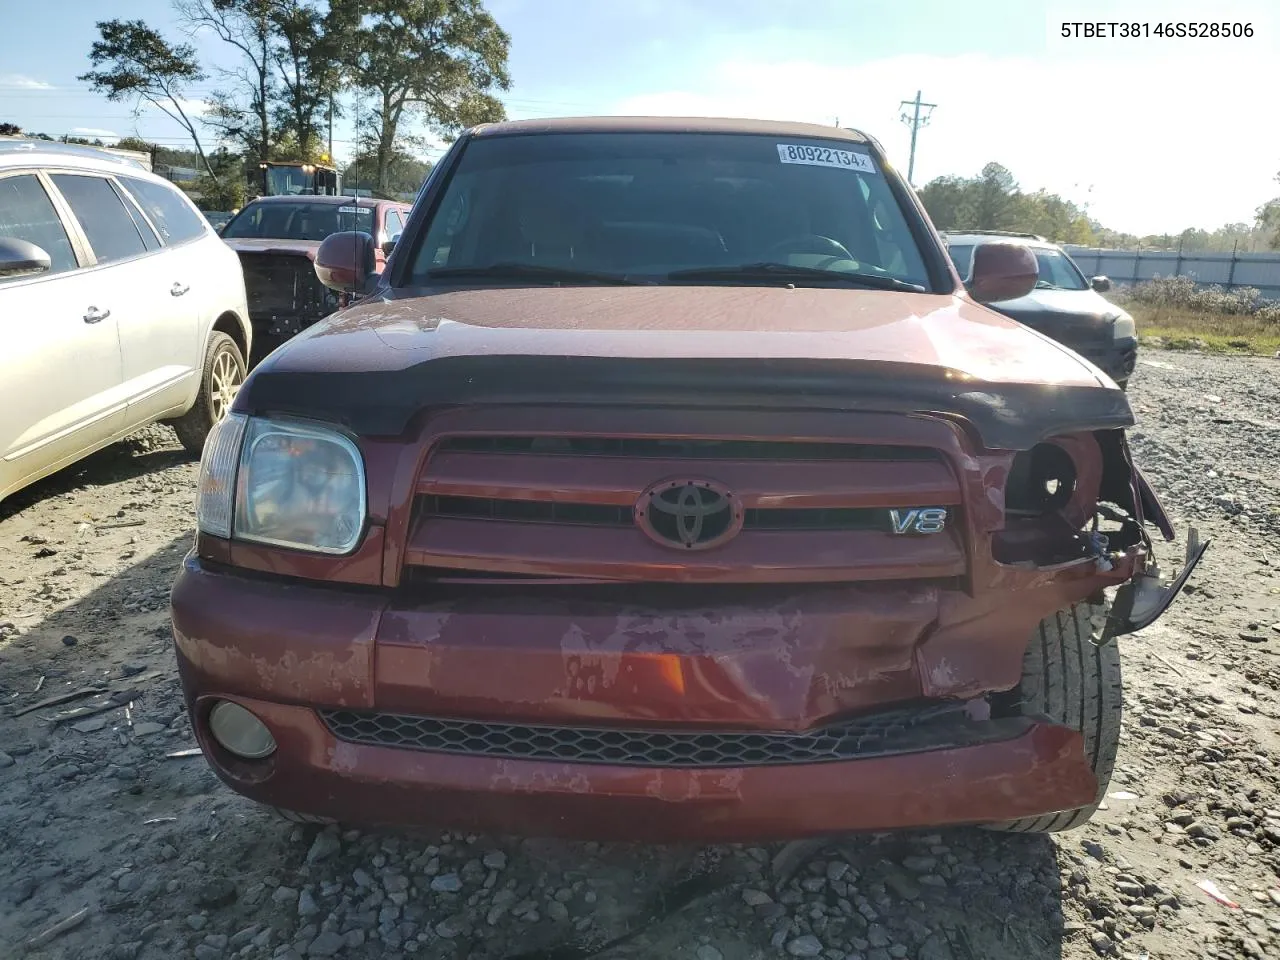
1153, 135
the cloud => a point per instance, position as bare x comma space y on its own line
1148, 157
94, 132
23, 82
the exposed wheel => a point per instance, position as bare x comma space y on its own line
1071, 680
224, 372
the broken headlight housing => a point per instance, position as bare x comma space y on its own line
285, 483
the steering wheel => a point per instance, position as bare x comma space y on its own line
810, 243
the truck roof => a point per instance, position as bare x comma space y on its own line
776, 128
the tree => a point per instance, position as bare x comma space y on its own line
307, 54
438, 59
241, 115
405, 174
135, 62
10, 130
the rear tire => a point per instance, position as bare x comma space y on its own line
224, 372
1075, 682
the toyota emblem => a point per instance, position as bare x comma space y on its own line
689, 514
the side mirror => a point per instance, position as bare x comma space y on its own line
345, 261
1002, 271
19, 258
390, 245
1101, 284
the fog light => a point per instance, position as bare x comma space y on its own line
240, 732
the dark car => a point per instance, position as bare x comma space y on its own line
667, 484
277, 239
1064, 304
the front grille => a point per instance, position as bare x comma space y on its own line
283, 290
903, 730
605, 515
607, 503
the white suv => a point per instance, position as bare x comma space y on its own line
119, 306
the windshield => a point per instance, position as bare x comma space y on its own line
297, 221
1057, 271
651, 205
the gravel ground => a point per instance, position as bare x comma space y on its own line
111, 847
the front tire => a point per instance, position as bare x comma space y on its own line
1075, 682
224, 372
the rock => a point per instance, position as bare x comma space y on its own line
307, 906
354, 938
128, 882
146, 728
92, 725
920, 864
836, 870
285, 895
495, 860
197, 921
243, 937
557, 911
69, 641
1093, 849
805, 946
446, 883
1206, 830
708, 952
755, 898
215, 893
1101, 942
878, 936
325, 845
205, 952
326, 945
451, 927
395, 883
5, 760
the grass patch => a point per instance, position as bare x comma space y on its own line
1180, 329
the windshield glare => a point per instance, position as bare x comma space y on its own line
297, 221
1056, 269
648, 205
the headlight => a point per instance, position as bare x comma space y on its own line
295, 485
1122, 327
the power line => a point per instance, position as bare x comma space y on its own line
915, 121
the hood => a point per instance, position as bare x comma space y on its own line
452, 346
1041, 309
302, 248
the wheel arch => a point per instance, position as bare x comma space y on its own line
230, 323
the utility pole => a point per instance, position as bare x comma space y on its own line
915, 121
331, 130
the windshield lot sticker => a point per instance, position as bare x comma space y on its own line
825, 157
348, 209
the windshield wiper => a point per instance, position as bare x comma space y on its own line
785, 272
1046, 285
527, 271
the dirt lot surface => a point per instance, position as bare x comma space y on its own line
110, 847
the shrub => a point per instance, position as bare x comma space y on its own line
1181, 293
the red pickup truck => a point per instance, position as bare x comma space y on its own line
668, 484
277, 239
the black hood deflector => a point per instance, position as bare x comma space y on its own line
1006, 416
